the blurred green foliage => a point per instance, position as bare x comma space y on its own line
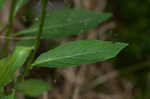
133, 28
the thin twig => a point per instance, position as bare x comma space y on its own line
107, 77
17, 38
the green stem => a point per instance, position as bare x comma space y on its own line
37, 41
9, 29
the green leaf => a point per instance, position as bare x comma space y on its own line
11, 64
2, 3
12, 96
33, 87
79, 52
67, 22
19, 4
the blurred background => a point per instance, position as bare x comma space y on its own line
125, 77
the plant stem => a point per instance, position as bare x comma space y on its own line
37, 41
9, 29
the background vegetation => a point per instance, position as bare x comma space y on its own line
124, 77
